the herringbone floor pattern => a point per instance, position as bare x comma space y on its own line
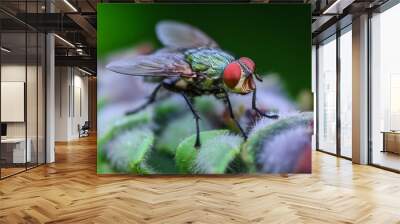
69, 191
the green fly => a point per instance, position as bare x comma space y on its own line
192, 64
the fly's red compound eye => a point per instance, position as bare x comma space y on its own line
232, 74
248, 62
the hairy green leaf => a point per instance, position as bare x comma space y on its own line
176, 131
208, 105
217, 153
161, 163
266, 130
127, 152
103, 167
167, 109
123, 124
186, 153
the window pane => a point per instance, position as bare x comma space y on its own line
386, 88
14, 153
346, 94
31, 97
327, 96
41, 98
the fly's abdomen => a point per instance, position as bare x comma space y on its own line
208, 61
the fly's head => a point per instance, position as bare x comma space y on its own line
239, 76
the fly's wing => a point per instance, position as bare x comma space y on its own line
160, 64
179, 35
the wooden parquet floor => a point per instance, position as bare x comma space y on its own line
69, 191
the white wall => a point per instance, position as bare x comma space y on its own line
62, 82
33, 126
13, 101
13, 73
80, 110
71, 102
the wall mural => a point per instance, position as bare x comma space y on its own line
204, 89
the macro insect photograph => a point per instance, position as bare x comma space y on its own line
204, 89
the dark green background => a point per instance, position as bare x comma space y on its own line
276, 37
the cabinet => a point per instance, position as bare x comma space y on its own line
391, 142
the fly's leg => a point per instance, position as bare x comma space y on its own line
150, 100
228, 101
254, 106
196, 117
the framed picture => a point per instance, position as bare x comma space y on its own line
204, 89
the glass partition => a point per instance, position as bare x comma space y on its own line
22, 77
31, 100
41, 97
14, 153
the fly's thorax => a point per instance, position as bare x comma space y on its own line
208, 61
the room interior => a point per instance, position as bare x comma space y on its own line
22, 102
385, 89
